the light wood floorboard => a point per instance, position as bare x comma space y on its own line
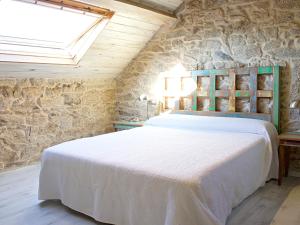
19, 204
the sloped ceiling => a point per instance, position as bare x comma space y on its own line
126, 34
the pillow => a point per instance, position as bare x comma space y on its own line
195, 122
226, 124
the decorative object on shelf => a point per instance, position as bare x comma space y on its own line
144, 97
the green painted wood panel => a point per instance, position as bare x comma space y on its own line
123, 127
212, 90
209, 72
195, 94
239, 71
276, 98
242, 93
265, 70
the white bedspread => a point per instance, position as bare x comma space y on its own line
176, 170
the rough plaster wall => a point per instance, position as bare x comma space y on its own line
221, 34
38, 113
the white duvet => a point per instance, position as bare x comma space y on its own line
176, 170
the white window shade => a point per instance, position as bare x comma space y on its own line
39, 32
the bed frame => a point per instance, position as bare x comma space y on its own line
232, 93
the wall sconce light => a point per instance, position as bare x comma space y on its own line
295, 104
143, 97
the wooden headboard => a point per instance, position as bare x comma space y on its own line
232, 93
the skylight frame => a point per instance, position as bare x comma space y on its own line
70, 55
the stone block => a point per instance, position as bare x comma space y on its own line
7, 82
49, 102
6, 91
177, 33
245, 53
212, 44
284, 17
221, 56
37, 119
270, 32
287, 53
212, 34
194, 4
31, 91
72, 99
236, 40
272, 45
11, 120
287, 4
212, 4
23, 82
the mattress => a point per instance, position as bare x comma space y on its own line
176, 170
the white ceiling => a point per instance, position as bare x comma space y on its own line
126, 34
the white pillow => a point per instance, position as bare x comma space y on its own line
195, 122
226, 124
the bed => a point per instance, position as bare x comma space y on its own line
175, 170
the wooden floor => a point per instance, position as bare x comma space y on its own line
19, 204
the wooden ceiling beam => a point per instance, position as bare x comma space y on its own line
135, 10
149, 7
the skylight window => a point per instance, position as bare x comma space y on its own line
48, 31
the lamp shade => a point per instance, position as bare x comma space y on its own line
295, 104
143, 97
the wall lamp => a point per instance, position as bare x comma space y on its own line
295, 104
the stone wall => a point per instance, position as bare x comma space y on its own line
38, 113
221, 34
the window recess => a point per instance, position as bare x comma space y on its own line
49, 31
